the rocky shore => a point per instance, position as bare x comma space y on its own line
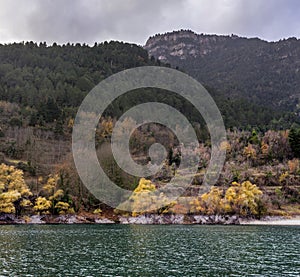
180, 219
149, 219
142, 219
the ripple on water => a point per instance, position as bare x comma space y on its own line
117, 250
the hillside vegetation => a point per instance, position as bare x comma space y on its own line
41, 88
265, 74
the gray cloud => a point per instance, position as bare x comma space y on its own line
135, 20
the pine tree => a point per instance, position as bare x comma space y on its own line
294, 140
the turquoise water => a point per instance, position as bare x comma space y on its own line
118, 250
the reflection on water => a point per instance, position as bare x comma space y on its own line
116, 250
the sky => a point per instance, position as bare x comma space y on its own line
89, 21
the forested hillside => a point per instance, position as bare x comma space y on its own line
49, 83
52, 80
266, 74
41, 88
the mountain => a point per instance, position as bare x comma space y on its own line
263, 73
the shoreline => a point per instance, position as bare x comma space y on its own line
151, 219
148, 219
273, 221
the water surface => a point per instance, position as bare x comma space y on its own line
131, 250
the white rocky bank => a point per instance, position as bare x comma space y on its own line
180, 219
142, 219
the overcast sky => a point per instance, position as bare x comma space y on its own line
135, 20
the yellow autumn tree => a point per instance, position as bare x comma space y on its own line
242, 199
42, 205
144, 199
141, 198
208, 203
14, 192
64, 208
52, 201
211, 201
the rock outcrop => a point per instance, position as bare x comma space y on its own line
182, 44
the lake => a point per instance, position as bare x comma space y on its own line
156, 250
